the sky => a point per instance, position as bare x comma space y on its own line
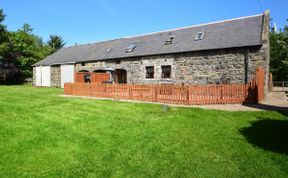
89, 21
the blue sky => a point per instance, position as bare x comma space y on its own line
88, 21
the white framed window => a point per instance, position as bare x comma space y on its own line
170, 40
199, 36
131, 48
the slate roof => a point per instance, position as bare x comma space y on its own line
241, 32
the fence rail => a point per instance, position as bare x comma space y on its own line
280, 85
187, 95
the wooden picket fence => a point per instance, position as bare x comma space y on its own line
175, 94
95, 77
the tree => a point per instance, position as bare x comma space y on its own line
2, 26
19, 50
7, 64
56, 42
27, 28
29, 48
279, 54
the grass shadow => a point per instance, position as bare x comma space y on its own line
280, 109
268, 134
12, 83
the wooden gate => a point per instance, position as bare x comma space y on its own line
95, 77
260, 78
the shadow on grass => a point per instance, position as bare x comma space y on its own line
12, 83
268, 134
281, 109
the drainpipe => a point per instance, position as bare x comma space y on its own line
246, 58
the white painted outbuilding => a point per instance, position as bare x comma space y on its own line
43, 75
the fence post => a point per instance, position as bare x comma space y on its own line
72, 89
129, 91
155, 90
221, 94
90, 88
114, 93
188, 95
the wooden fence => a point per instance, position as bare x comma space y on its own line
95, 77
174, 94
280, 86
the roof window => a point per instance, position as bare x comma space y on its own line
108, 50
170, 40
131, 48
199, 36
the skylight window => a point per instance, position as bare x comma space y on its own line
108, 50
131, 48
199, 36
170, 40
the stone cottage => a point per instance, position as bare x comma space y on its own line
221, 52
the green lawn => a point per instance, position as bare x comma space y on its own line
44, 135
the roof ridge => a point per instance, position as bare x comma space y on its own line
191, 26
170, 30
88, 44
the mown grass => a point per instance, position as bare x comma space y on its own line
44, 135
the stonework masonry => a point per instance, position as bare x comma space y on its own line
56, 76
202, 67
206, 67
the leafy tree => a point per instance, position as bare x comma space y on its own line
19, 50
279, 54
29, 48
56, 42
7, 65
27, 28
3, 31
2, 27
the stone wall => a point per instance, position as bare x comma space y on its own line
261, 57
206, 67
56, 76
202, 67
136, 68
212, 67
